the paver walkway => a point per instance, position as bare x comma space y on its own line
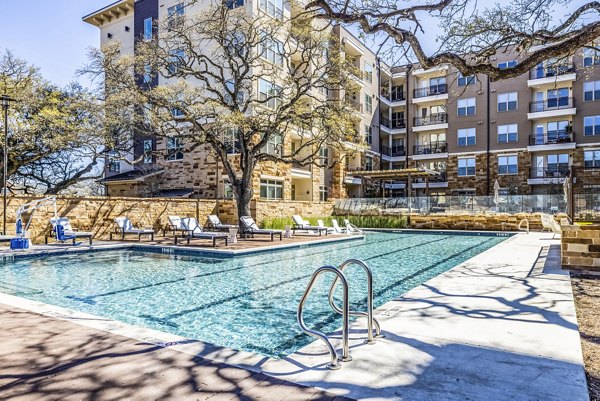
43, 358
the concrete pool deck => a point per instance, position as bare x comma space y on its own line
500, 326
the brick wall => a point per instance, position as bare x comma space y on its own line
580, 247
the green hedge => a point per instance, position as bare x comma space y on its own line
279, 223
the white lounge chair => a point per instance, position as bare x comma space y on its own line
549, 223
175, 225
215, 223
336, 227
301, 224
351, 228
194, 230
249, 226
69, 231
321, 224
123, 227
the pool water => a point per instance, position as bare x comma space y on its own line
246, 303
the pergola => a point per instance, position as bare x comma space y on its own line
407, 174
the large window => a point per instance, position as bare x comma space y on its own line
368, 134
591, 125
591, 57
269, 92
558, 163
507, 64
271, 50
230, 140
148, 29
557, 131
464, 81
591, 91
466, 107
230, 85
437, 85
591, 158
176, 60
507, 101
368, 72
368, 163
466, 136
368, 103
275, 145
507, 165
174, 149
175, 15
508, 133
323, 194
272, 7
324, 156
558, 97
466, 167
147, 151
114, 163
271, 189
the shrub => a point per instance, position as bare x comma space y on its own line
279, 223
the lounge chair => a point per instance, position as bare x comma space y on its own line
67, 231
351, 228
336, 227
301, 224
215, 223
321, 224
249, 226
194, 230
124, 227
549, 223
175, 225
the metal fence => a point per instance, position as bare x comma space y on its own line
465, 204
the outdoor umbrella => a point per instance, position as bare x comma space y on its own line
496, 193
566, 193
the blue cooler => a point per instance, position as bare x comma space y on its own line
19, 243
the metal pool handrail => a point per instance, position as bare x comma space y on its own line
369, 312
345, 313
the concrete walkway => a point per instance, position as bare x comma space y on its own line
500, 326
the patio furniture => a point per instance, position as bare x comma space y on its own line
321, 224
336, 227
301, 224
215, 223
351, 228
67, 231
123, 227
193, 230
549, 223
175, 225
249, 227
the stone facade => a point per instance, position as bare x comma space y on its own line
487, 222
580, 247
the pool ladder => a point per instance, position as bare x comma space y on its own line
344, 310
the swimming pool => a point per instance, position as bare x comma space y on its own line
245, 303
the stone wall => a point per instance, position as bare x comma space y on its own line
265, 209
488, 222
580, 247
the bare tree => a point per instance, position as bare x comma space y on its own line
472, 31
239, 83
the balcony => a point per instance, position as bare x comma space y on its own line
554, 107
354, 104
390, 98
435, 181
300, 171
551, 74
393, 151
432, 121
552, 140
396, 124
553, 174
430, 91
434, 150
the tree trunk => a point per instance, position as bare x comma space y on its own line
243, 195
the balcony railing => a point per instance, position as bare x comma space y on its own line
385, 122
550, 172
299, 166
430, 91
393, 151
551, 138
434, 147
558, 103
354, 104
394, 97
434, 178
437, 118
398, 123
551, 71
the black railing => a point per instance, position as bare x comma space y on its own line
398, 123
434, 147
384, 121
394, 96
437, 118
434, 178
430, 91
551, 104
551, 138
551, 71
550, 172
393, 151
299, 166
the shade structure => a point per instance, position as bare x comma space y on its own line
407, 173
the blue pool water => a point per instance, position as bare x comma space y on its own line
245, 303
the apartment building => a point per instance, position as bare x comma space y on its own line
527, 133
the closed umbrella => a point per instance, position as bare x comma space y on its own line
566, 193
496, 193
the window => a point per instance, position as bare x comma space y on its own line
466, 107
269, 92
437, 85
271, 50
176, 60
368, 72
114, 164
147, 151
507, 165
508, 133
507, 101
558, 97
230, 140
174, 149
272, 7
591, 91
591, 158
324, 156
148, 29
231, 89
176, 113
591, 57
466, 137
147, 74
591, 125
368, 163
507, 64
236, 44
464, 81
557, 131
466, 167
368, 134
271, 189
231, 4
558, 164
368, 103
274, 145
175, 16
227, 189
323, 194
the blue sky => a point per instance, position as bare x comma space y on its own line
51, 35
